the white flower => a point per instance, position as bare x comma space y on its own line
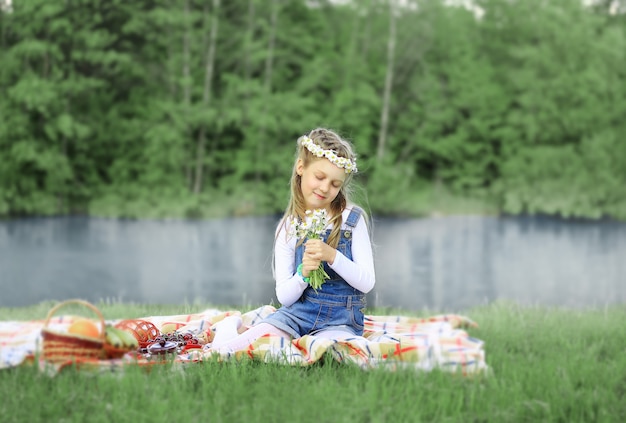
312, 226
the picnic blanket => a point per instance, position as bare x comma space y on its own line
393, 342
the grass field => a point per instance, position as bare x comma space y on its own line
547, 365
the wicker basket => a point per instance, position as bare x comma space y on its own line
60, 347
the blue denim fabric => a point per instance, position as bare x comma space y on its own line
336, 305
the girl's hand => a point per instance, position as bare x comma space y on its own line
309, 264
319, 250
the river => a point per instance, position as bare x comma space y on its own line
443, 264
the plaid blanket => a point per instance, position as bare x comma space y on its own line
439, 341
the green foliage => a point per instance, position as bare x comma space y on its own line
594, 170
562, 133
116, 108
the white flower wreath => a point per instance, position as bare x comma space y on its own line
349, 166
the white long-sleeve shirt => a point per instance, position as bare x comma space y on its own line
358, 272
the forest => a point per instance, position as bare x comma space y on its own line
192, 108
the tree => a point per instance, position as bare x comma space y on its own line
207, 94
384, 114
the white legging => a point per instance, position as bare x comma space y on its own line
227, 339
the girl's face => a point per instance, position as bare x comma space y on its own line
320, 183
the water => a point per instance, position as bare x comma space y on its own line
447, 264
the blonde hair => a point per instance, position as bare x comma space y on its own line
296, 207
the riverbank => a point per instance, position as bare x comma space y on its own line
547, 364
245, 201
425, 200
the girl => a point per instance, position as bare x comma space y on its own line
323, 169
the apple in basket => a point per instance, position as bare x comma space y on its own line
84, 327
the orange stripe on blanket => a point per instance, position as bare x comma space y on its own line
177, 325
400, 351
463, 357
357, 351
296, 343
8, 335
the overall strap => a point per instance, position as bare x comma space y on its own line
354, 216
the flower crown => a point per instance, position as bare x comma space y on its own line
349, 166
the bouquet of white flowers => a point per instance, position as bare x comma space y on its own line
312, 227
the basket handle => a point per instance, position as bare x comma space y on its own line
93, 308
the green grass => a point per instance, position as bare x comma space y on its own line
547, 364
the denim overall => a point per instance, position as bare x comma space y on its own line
336, 305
